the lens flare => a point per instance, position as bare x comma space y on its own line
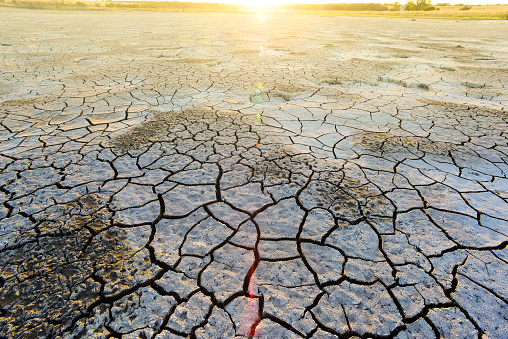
257, 96
262, 17
251, 315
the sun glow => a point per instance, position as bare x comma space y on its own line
261, 5
273, 4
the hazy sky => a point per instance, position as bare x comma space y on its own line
253, 2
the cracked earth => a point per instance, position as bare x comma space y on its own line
169, 175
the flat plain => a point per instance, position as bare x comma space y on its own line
220, 175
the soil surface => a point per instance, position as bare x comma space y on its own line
208, 175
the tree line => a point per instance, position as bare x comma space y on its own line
411, 5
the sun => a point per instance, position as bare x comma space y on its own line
260, 4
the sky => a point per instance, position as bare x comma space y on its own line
264, 3
253, 2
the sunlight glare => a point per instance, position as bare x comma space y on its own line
261, 4
262, 17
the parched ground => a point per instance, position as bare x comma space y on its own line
207, 175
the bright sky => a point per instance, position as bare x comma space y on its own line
263, 2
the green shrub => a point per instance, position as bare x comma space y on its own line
393, 7
80, 4
420, 5
466, 8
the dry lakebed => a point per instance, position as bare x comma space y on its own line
259, 175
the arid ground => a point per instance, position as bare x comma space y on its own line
208, 175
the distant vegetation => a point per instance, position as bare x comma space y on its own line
338, 7
175, 5
419, 5
98, 5
411, 9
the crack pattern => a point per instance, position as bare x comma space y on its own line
183, 184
